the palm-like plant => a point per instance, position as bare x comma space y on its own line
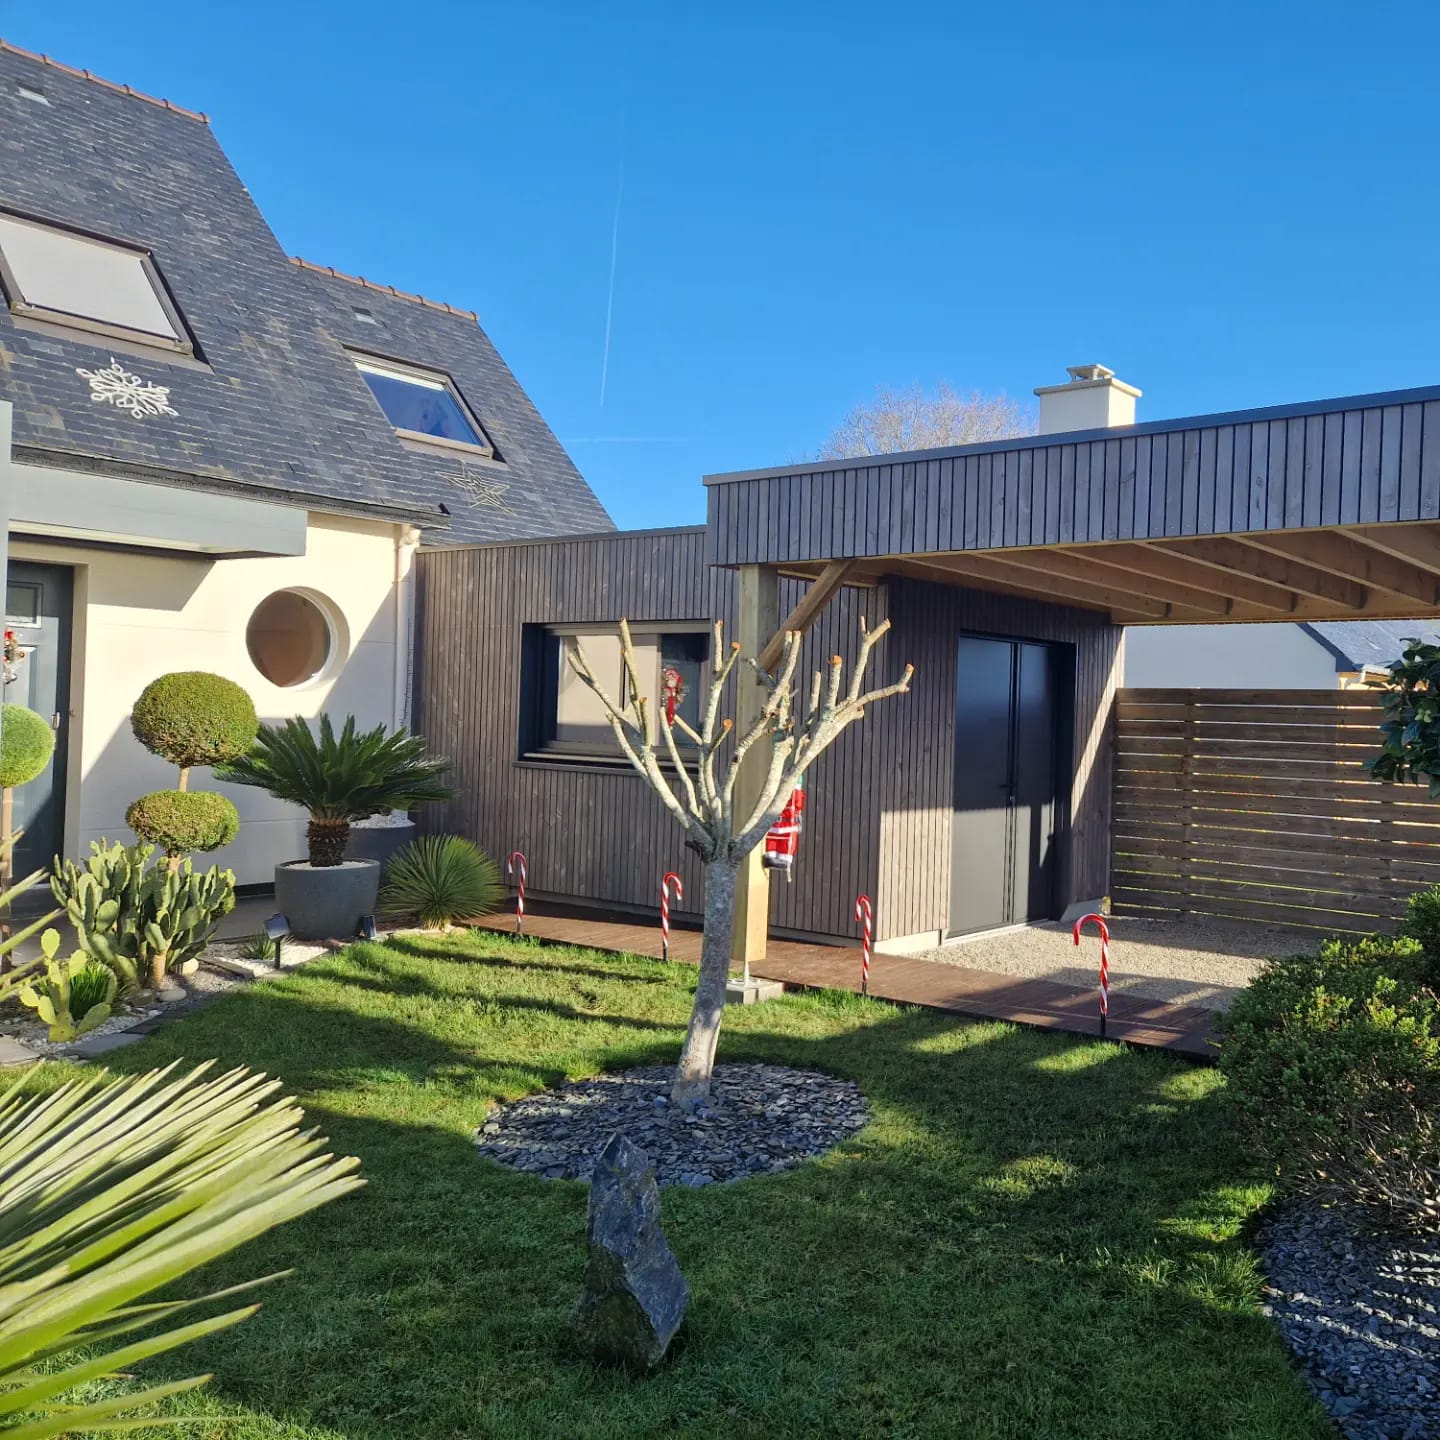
110, 1191
339, 778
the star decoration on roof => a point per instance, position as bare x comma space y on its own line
115, 385
482, 492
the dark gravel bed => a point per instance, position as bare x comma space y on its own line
1361, 1310
760, 1119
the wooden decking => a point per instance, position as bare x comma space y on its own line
1185, 1029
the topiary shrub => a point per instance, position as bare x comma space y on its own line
440, 879
179, 821
26, 745
191, 717
1333, 1064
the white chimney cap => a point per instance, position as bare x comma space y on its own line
1092, 399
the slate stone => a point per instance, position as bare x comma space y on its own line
635, 1296
88, 1046
15, 1052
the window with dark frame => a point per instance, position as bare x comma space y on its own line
423, 405
561, 717
58, 275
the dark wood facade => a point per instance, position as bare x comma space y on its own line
879, 802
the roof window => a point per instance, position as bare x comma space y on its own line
423, 405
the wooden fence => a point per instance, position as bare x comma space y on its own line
1255, 804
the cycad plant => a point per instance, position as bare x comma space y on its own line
339, 778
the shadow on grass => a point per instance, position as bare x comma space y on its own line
1034, 1236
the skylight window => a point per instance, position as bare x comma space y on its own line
423, 405
54, 274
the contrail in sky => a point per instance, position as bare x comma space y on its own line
614, 255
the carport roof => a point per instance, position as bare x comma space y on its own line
1325, 510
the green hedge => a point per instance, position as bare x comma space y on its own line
191, 717
180, 821
26, 745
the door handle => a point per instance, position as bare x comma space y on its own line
55, 721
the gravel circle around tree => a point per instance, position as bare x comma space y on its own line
759, 1120
1361, 1311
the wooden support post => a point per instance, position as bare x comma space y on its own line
759, 619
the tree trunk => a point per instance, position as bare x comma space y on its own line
697, 1058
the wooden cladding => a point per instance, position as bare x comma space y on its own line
1375, 459
1255, 804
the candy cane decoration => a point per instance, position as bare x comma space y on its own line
866, 916
665, 883
1104, 962
515, 863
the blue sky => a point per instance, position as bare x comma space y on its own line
1231, 204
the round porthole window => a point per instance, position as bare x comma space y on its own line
291, 639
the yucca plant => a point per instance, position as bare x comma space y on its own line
111, 1190
441, 879
339, 778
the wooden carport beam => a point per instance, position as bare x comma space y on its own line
811, 603
1093, 568
1419, 544
1340, 555
1015, 580
1228, 553
1144, 559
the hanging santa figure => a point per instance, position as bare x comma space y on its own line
782, 839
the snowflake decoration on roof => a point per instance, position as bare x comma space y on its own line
481, 491
115, 385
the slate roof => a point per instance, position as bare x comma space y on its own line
1357, 643
277, 404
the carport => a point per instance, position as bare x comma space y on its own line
1327, 510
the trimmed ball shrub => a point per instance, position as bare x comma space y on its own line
194, 718
26, 744
1333, 1064
440, 879
179, 821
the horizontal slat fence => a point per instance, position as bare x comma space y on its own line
1255, 804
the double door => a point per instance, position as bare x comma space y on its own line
1011, 708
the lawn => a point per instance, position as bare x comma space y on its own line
1036, 1236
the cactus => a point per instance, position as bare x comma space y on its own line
139, 919
65, 980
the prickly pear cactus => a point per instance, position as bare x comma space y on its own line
51, 999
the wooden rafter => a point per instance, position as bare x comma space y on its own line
1145, 559
822, 590
1348, 558
1419, 544
993, 573
1225, 552
1093, 567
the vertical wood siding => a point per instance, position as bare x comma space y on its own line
1362, 463
878, 813
917, 773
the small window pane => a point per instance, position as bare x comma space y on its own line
75, 276
288, 638
427, 407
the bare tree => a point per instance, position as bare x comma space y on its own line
915, 419
700, 791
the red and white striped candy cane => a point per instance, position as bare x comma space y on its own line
516, 863
866, 916
1104, 961
669, 878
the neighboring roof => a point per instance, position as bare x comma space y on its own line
1358, 643
277, 402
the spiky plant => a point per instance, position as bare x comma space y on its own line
114, 1189
441, 879
339, 778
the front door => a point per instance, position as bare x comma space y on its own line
1005, 831
38, 601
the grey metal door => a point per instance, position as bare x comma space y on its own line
38, 602
1004, 832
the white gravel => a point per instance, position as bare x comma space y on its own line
1189, 961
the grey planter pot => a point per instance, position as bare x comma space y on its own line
325, 902
379, 844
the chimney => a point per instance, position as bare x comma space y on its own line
1093, 400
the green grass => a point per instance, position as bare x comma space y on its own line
1035, 1237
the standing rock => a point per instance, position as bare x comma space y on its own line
635, 1295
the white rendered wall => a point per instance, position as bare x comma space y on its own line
141, 615
1279, 656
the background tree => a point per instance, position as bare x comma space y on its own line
700, 792
914, 418
1411, 730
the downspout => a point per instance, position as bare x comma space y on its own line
406, 539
